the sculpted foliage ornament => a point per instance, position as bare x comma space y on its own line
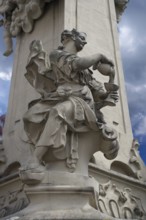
69, 110
119, 203
19, 15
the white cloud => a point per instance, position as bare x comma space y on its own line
136, 119
6, 75
131, 88
127, 40
136, 100
141, 128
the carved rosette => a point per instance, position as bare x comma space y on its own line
119, 203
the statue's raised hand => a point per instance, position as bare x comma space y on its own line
104, 61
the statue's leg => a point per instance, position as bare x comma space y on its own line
55, 129
53, 136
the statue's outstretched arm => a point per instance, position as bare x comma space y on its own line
82, 63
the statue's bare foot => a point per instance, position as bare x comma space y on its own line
33, 166
32, 173
7, 52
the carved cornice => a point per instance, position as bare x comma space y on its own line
93, 168
120, 5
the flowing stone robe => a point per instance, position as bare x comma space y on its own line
67, 102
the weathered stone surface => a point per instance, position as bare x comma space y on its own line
12, 197
120, 196
13, 134
128, 167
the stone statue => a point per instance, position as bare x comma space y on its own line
69, 107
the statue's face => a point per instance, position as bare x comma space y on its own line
80, 41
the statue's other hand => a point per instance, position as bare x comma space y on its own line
114, 95
105, 60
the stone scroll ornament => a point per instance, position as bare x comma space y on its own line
17, 16
69, 107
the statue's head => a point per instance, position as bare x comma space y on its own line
79, 38
36, 46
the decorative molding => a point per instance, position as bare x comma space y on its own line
111, 174
120, 5
119, 203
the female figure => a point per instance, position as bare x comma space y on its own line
71, 99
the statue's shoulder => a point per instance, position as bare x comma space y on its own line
55, 55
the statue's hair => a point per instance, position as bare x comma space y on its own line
72, 34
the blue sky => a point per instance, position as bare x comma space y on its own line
132, 34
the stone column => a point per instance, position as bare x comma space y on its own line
98, 20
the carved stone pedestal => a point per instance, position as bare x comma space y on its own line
62, 195
64, 125
60, 202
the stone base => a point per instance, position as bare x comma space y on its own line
60, 202
87, 212
84, 213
